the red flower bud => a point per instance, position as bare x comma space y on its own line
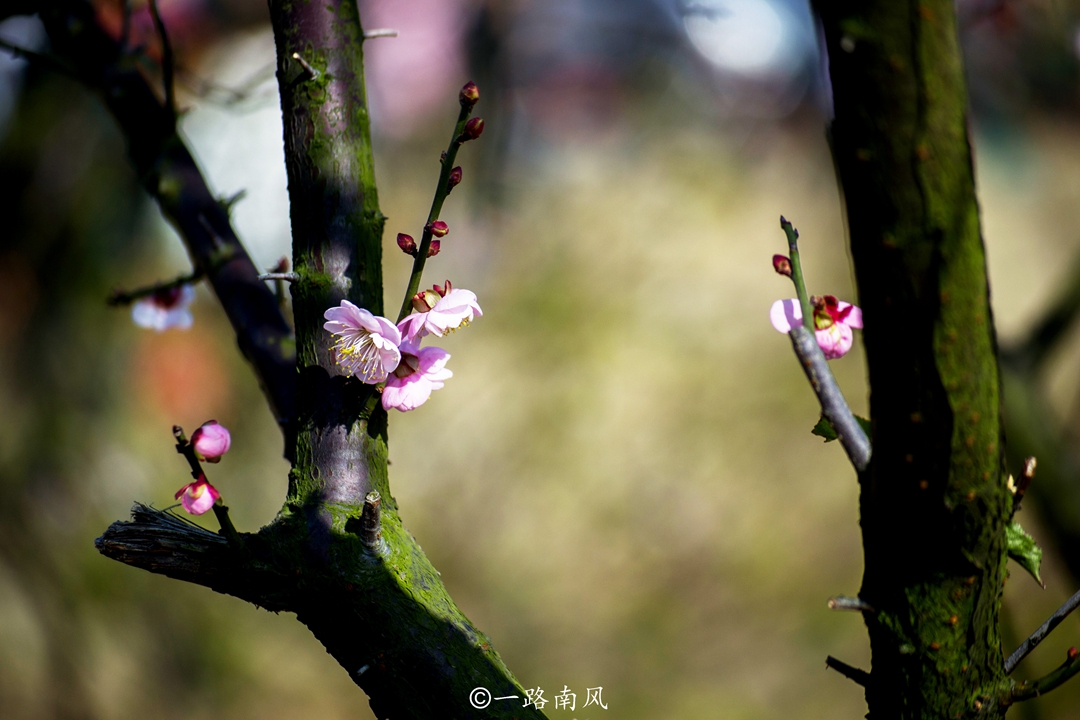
1072, 653
434, 248
469, 95
407, 244
455, 178
438, 228
782, 265
473, 128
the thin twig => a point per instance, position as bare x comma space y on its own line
1035, 688
312, 72
286, 276
127, 297
167, 65
441, 191
1039, 635
833, 406
842, 602
797, 274
860, 677
380, 32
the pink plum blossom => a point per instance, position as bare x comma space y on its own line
421, 371
367, 345
833, 321
211, 440
439, 311
198, 497
164, 309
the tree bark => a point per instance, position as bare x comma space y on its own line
934, 501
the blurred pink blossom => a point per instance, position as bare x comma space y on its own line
412, 75
165, 309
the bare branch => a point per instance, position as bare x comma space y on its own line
842, 602
1039, 635
857, 676
833, 405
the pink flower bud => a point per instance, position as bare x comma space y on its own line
782, 265
438, 228
442, 291
407, 244
198, 497
211, 441
455, 178
434, 248
1072, 653
469, 95
473, 128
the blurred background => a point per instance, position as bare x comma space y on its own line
619, 484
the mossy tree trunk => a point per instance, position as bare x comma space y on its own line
934, 502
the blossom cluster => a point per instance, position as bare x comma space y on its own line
377, 351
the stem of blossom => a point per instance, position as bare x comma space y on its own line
127, 297
1045, 629
441, 191
221, 511
796, 273
833, 405
1035, 688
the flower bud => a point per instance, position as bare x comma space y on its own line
469, 95
438, 228
782, 265
211, 441
198, 497
455, 178
407, 244
473, 128
442, 291
424, 300
1072, 653
434, 248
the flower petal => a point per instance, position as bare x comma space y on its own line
854, 316
785, 314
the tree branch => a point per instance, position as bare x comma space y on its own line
857, 676
1033, 689
1039, 635
171, 176
833, 405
